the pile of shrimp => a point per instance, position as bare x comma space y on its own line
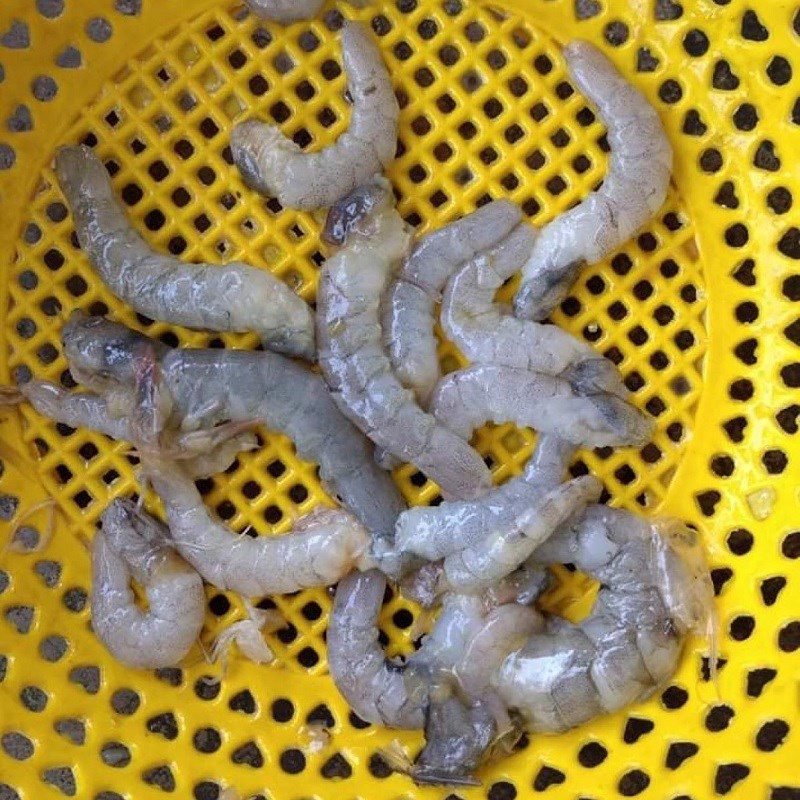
494, 665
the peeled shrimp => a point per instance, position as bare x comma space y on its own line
655, 588
466, 399
234, 297
408, 307
285, 11
535, 506
207, 387
132, 545
485, 335
633, 190
321, 548
202, 453
275, 165
355, 365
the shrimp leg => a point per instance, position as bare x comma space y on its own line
655, 588
234, 297
207, 453
408, 306
468, 398
131, 545
215, 386
356, 367
275, 165
321, 548
472, 319
633, 190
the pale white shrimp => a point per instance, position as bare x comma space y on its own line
466, 399
132, 545
352, 357
201, 453
209, 387
285, 11
233, 297
633, 190
409, 304
321, 548
655, 589
417, 693
536, 499
486, 335
275, 165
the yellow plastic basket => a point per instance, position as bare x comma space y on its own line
698, 312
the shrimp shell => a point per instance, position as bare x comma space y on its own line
233, 297
357, 369
131, 544
285, 11
634, 188
275, 165
655, 588
466, 399
321, 548
472, 319
408, 306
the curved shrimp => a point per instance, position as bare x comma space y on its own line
474, 321
131, 545
275, 165
321, 548
655, 588
233, 297
417, 693
408, 306
535, 506
208, 387
355, 365
466, 399
201, 453
285, 11
633, 190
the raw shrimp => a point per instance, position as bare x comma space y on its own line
285, 11
408, 306
321, 548
208, 387
233, 297
485, 335
132, 545
466, 399
202, 453
420, 692
355, 365
275, 165
633, 190
655, 589
537, 501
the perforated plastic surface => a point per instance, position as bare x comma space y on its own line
700, 312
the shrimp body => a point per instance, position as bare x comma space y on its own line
285, 11
655, 588
132, 545
633, 190
321, 548
485, 335
208, 387
357, 369
466, 399
408, 307
233, 297
275, 165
